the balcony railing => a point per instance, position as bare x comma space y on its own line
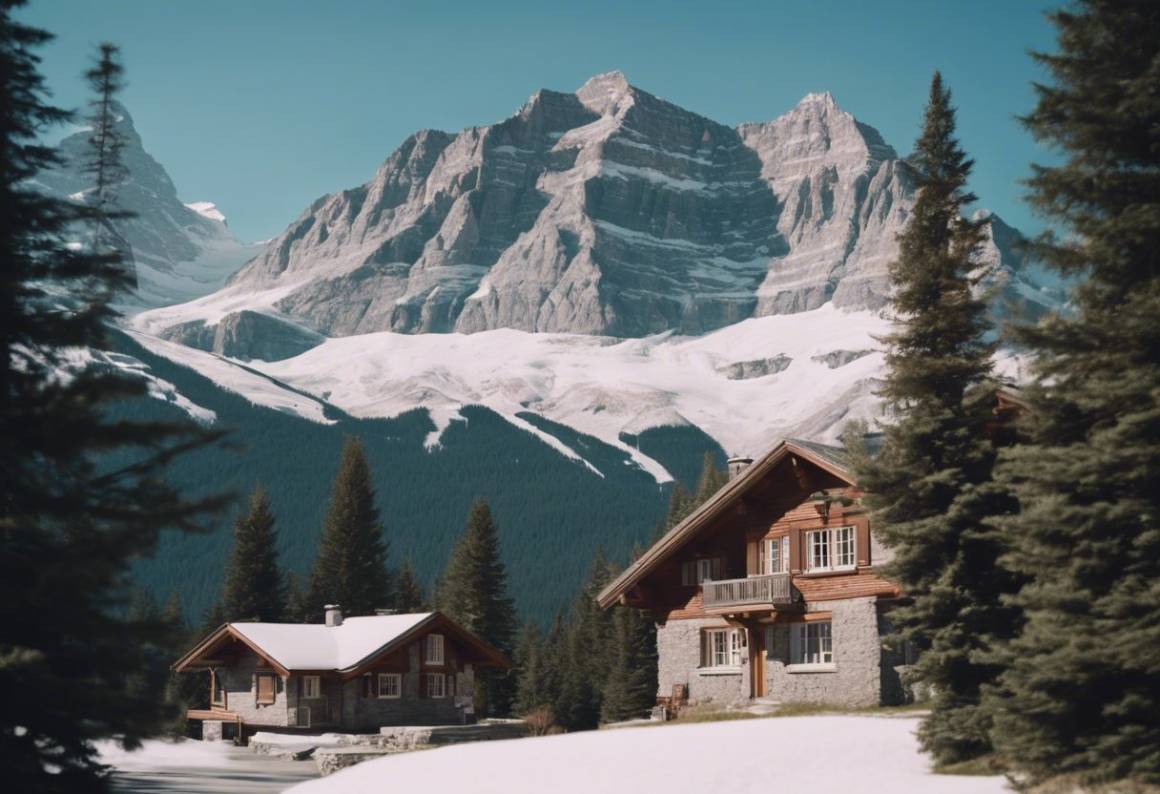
771, 589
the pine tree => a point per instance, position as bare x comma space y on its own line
71, 519
295, 610
473, 593
630, 688
106, 79
931, 486
532, 690
1082, 690
585, 653
711, 480
409, 591
183, 691
254, 587
681, 505
351, 569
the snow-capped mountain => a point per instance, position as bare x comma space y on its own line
605, 259
181, 251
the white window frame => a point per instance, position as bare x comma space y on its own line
433, 653
776, 555
704, 570
395, 690
311, 683
811, 645
823, 547
442, 688
725, 648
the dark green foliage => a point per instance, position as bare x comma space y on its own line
409, 591
473, 593
254, 585
931, 486
1082, 691
537, 677
711, 479
351, 569
585, 657
183, 691
75, 664
631, 687
549, 507
295, 611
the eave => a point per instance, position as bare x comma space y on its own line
704, 515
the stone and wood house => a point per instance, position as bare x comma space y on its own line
348, 675
770, 589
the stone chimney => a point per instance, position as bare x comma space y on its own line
737, 464
333, 615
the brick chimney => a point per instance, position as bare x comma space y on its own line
737, 464
333, 615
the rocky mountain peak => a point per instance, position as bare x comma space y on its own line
607, 94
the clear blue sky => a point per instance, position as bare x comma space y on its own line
263, 105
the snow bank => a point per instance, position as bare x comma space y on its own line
159, 754
816, 754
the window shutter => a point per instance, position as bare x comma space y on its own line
688, 574
422, 685
718, 568
784, 553
450, 685
753, 557
704, 649
795, 642
862, 543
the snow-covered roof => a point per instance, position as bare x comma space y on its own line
307, 646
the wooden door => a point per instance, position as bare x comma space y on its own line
757, 662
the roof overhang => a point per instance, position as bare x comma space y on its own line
714, 507
484, 654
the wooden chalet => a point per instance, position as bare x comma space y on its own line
355, 674
769, 589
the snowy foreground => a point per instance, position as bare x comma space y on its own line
193, 767
816, 754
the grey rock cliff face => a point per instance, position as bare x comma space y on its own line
180, 251
608, 211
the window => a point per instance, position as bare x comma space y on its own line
830, 549
436, 685
702, 570
434, 649
217, 689
265, 689
776, 555
390, 685
724, 647
311, 686
811, 644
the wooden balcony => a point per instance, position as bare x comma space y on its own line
769, 591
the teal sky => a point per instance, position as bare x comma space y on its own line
263, 105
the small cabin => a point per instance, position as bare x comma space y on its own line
354, 674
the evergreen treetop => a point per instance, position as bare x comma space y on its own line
1082, 688
254, 588
409, 595
351, 568
72, 521
931, 486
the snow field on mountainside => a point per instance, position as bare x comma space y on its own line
852, 755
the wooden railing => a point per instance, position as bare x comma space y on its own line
770, 589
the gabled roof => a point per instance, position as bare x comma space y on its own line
345, 648
834, 460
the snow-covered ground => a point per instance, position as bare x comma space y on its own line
195, 767
793, 754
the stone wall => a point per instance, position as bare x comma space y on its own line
854, 679
242, 694
679, 662
864, 673
371, 713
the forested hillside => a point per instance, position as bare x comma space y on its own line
553, 512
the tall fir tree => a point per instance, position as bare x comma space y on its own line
351, 568
254, 587
931, 486
71, 522
711, 480
183, 691
585, 653
631, 685
409, 595
473, 593
1082, 689
532, 688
